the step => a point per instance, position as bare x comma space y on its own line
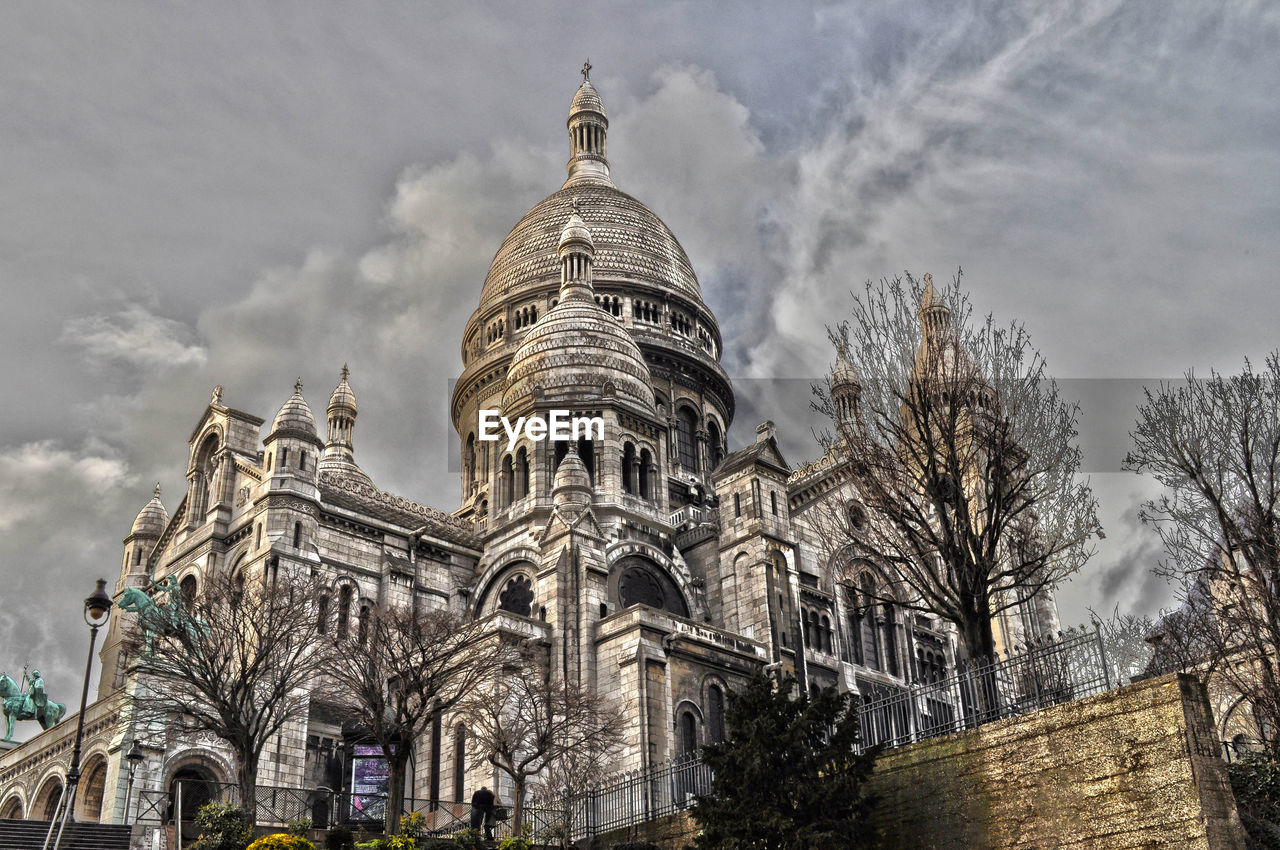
30, 835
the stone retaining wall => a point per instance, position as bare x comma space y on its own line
1138, 767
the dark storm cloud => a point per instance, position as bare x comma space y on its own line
239, 195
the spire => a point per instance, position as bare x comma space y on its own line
341, 414
588, 129
935, 315
295, 414
577, 251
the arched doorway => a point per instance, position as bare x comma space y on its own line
12, 808
199, 787
45, 804
93, 785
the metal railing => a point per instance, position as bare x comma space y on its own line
1049, 672
643, 795
278, 806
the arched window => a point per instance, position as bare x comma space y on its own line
806, 622
302, 461
715, 714
688, 733
870, 634
645, 476
641, 582
322, 615
628, 462
562, 450
517, 596
522, 473
459, 760
506, 482
826, 634
362, 627
715, 443
890, 640
188, 592
344, 609
587, 452
773, 501
469, 465
297, 535
686, 430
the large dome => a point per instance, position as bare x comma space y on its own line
631, 245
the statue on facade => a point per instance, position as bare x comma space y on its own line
160, 612
32, 705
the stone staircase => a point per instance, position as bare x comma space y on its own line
30, 835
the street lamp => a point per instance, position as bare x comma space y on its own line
97, 608
135, 758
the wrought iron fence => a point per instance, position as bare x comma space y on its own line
1068, 667
643, 795
277, 806
1047, 673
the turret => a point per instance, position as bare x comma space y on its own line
292, 447
588, 130
339, 448
147, 528
846, 394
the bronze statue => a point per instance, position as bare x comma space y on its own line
33, 705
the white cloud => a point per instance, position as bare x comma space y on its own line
137, 337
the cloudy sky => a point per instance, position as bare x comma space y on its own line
195, 194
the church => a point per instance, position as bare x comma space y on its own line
657, 562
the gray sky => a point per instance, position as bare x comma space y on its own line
241, 194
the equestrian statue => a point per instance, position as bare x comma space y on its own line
32, 705
161, 614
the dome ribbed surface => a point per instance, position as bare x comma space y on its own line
586, 99
631, 244
343, 397
295, 415
152, 519
572, 353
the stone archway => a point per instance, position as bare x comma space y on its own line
93, 786
45, 803
11, 809
199, 787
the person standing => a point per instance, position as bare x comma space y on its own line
482, 803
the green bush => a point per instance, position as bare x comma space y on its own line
298, 827
469, 839
515, 842
222, 828
339, 838
440, 844
1255, 779
282, 841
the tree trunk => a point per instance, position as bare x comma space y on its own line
397, 761
517, 805
247, 782
979, 644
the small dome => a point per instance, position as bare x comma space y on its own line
930, 300
152, 518
576, 233
844, 373
577, 351
295, 415
572, 484
343, 398
586, 99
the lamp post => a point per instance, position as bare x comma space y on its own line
135, 758
97, 608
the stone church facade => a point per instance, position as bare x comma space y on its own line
655, 564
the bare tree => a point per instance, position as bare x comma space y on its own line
1127, 640
398, 670
963, 453
1215, 446
233, 660
531, 725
